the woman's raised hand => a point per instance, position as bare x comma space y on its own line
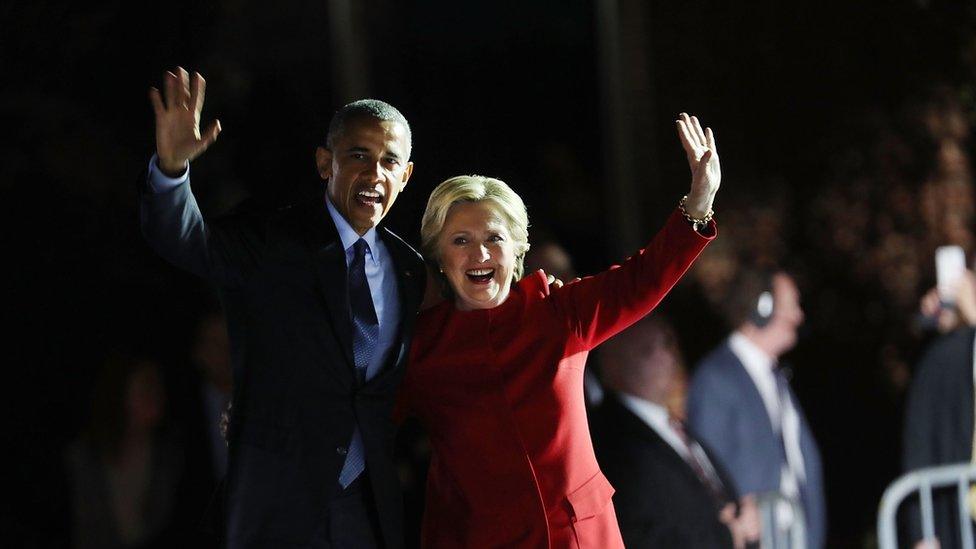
706, 173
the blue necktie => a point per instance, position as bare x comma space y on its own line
365, 336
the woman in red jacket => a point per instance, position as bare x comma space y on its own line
496, 370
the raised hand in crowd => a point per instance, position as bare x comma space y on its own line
963, 313
178, 137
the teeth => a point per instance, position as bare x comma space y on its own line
481, 272
369, 194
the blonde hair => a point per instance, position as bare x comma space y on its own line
476, 188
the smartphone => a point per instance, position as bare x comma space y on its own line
950, 266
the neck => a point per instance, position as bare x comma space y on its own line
759, 338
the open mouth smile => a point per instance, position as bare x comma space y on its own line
480, 276
369, 198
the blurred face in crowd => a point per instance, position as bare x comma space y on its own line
477, 255
211, 351
781, 332
366, 169
144, 397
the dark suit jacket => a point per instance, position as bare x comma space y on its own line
939, 427
727, 412
660, 501
282, 280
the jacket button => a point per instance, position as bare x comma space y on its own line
342, 450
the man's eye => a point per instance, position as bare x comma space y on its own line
393, 161
496, 238
357, 156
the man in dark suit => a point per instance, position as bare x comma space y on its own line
670, 491
320, 303
742, 407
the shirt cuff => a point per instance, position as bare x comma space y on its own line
160, 182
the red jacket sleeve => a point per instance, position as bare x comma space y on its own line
600, 306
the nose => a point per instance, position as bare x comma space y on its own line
481, 254
375, 173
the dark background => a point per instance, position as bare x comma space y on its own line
842, 128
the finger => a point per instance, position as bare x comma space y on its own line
691, 130
687, 141
170, 82
698, 131
710, 136
211, 134
197, 91
550, 279
703, 161
184, 87
157, 102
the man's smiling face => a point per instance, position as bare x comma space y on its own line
367, 167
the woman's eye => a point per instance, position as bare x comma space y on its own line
460, 240
496, 238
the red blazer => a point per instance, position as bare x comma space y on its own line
500, 392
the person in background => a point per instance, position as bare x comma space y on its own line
938, 427
124, 470
671, 491
741, 406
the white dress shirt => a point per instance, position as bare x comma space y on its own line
656, 417
786, 422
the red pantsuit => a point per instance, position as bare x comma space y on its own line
500, 392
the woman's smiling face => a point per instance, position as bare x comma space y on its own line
477, 255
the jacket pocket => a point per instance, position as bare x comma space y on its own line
591, 498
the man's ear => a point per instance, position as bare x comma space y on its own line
323, 162
406, 175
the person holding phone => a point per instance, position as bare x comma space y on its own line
939, 414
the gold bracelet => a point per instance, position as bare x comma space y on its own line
696, 224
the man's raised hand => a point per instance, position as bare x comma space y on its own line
178, 137
706, 173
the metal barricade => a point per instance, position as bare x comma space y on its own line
776, 532
923, 481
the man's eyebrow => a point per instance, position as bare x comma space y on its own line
357, 149
393, 154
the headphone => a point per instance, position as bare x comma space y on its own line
765, 305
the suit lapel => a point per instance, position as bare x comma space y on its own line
638, 428
329, 262
410, 283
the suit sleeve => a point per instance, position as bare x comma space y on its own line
173, 225
600, 306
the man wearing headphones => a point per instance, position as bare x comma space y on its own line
741, 406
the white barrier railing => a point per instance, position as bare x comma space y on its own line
923, 481
783, 524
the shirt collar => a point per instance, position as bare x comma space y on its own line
347, 234
755, 360
654, 415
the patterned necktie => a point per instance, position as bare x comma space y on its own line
365, 336
711, 481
